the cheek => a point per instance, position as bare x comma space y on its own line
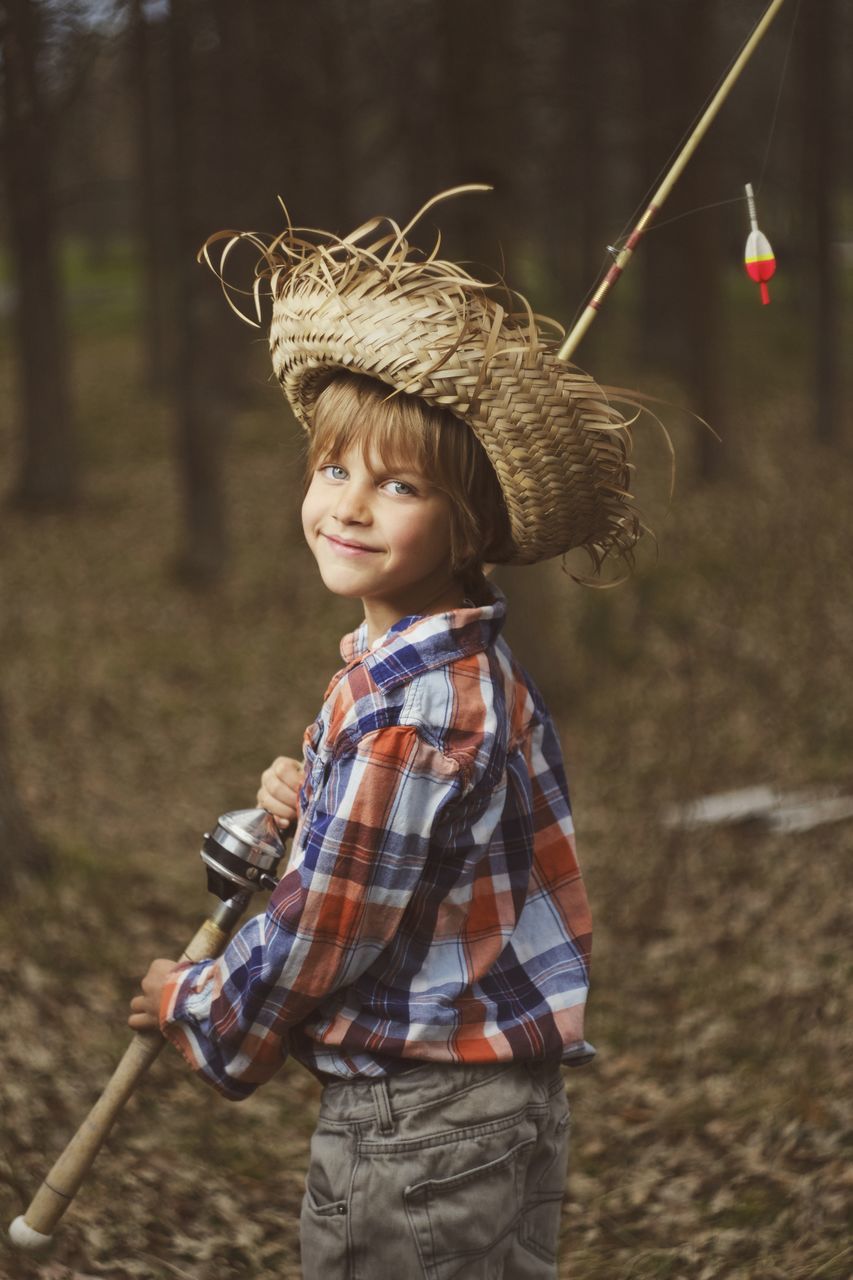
310, 510
427, 539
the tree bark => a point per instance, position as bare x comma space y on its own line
821, 112
152, 249
48, 472
665, 36
202, 410
681, 307
701, 265
22, 852
589, 27
478, 123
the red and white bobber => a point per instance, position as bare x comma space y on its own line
759, 258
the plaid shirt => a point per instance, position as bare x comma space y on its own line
432, 909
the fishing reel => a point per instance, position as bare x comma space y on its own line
242, 853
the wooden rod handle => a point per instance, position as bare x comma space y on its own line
33, 1230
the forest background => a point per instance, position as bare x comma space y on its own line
163, 633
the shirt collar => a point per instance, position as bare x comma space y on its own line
423, 642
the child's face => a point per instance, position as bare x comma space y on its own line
380, 534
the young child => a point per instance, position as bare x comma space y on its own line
426, 952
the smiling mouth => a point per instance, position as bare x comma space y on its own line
345, 547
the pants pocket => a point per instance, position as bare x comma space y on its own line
460, 1222
545, 1189
324, 1218
323, 1238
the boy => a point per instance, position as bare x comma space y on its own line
426, 952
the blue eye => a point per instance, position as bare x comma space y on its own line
400, 488
333, 471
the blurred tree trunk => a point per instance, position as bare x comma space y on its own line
232, 155
681, 305
48, 470
412, 83
142, 76
701, 260
589, 36
22, 853
288, 41
665, 38
821, 113
201, 398
557, 152
592, 44
371, 96
479, 122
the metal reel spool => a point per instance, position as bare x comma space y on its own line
242, 852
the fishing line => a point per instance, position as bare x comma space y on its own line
733, 199
718, 204
655, 182
688, 213
614, 249
778, 97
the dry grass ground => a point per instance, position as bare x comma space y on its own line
712, 1136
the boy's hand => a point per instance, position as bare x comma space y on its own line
145, 1009
279, 789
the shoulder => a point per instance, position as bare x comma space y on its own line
475, 710
355, 707
457, 687
399, 731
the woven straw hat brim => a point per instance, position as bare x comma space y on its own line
426, 327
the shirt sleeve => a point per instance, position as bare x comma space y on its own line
359, 856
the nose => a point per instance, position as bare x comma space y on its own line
353, 506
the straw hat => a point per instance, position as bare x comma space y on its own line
371, 304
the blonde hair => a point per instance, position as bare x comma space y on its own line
406, 431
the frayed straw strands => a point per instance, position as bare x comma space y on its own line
372, 304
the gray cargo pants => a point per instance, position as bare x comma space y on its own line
443, 1171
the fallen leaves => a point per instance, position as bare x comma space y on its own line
711, 1135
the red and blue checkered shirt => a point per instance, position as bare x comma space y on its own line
432, 909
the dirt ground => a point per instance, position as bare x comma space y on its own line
712, 1134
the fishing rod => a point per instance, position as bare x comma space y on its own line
623, 257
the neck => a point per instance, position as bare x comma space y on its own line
381, 615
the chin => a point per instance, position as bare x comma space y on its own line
340, 585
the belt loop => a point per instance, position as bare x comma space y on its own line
382, 1105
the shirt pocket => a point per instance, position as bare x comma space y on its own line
312, 756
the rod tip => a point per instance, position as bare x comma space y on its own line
23, 1236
